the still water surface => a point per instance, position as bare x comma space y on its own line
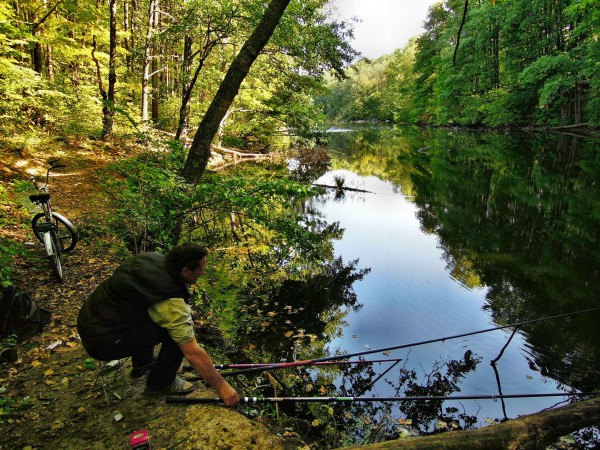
464, 232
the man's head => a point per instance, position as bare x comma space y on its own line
187, 261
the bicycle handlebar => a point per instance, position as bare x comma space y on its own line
54, 164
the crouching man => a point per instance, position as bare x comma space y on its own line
143, 304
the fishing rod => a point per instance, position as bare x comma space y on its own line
263, 365
322, 363
398, 347
253, 400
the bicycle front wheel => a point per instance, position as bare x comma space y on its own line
66, 234
52, 247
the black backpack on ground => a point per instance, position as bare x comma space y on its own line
20, 316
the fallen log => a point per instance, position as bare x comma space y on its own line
535, 431
568, 127
240, 155
341, 188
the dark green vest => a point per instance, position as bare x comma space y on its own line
123, 299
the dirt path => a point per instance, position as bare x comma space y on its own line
47, 400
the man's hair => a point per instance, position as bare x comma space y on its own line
184, 255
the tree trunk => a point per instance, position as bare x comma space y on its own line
536, 431
37, 56
103, 92
155, 66
49, 63
147, 60
186, 89
188, 84
199, 154
132, 34
126, 32
108, 109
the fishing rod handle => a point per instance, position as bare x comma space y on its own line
212, 400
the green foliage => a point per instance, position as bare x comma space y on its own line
373, 89
502, 108
277, 96
20, 104
150, 198
54, 72
254, 208
9, 248
9, 405
518, 63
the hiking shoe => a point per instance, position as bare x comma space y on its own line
177, 387
139, 372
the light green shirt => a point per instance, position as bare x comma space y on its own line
176, 316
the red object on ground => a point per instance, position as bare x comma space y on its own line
139, 440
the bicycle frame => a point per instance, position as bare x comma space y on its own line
43, 199
46, 225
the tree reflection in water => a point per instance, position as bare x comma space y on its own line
293, 319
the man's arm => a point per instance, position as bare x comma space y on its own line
201, 362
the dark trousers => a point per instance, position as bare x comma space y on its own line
139, 342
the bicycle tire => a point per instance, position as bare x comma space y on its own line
67, 235
55, 260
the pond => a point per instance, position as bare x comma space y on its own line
460, 232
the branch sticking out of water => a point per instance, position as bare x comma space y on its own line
344, 188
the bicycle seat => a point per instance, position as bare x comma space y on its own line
42, 197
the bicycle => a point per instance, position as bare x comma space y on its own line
52, 229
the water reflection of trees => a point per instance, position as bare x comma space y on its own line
517, 213
443, 380
277, 314
521, 212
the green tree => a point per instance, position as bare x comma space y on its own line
511, 62
200, 149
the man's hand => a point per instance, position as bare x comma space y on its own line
229, 396
202, 364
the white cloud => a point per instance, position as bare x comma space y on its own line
386, 24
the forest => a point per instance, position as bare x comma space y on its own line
105, 67
496, 63
66, 67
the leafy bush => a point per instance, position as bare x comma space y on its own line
501, 107
150, 199
21, 105
8, 247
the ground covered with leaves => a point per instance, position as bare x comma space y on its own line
47, 399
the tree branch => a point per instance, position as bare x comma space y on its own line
462, 23
43, 19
